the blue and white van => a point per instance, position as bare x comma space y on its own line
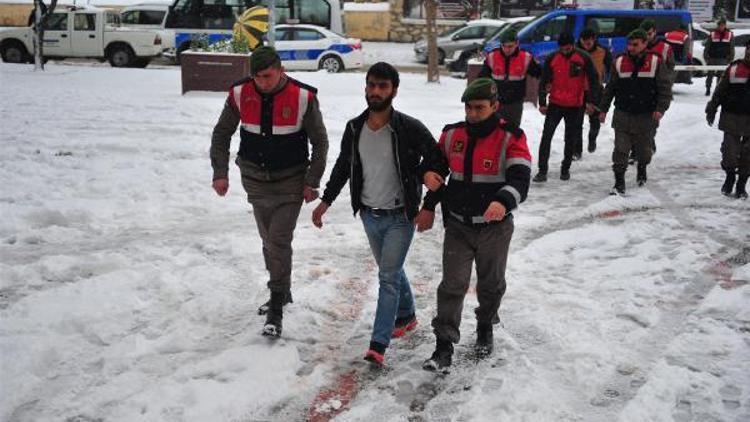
539, 36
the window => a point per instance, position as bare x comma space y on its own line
307, 35
613, 26
667, 23
699, 35
551, 30
315, 12
130, 18
57, 22
112, 19
151, 17
471, 32
281, 34
84, 22
740, 40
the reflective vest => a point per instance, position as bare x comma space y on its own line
636, 87
569, 80
677, 40
720, 46
738, 96
661, 49
478, 168
509, 73
271, 126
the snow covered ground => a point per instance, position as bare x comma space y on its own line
128, 289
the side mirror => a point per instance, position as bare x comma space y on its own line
547, 38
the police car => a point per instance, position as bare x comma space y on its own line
311, 47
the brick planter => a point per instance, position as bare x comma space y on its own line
202, 71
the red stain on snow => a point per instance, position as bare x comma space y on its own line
610, 214
722, 271
330, 402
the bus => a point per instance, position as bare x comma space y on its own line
215, 18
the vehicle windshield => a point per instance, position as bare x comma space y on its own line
516, 26
113, 18
452, 30
495, 31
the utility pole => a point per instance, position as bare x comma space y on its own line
433, 73
272, 23
38, 34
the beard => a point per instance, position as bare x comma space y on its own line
375, 105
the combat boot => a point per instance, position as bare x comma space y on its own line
485, 340
740, 192
263, 309
441, 358
728, 185
641, 176
272, 327
541, 177
619, 187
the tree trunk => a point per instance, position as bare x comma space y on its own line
433, 73
38, 34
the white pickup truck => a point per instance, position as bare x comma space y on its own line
84, 32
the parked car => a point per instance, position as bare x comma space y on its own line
149, 16
740, 38
84, 32
458, 63
311, 47
458, 39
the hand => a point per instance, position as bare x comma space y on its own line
221, 186
657, 115
602, 117
589, 108
543, 109
495, 212
710, 117
424, 220
309, 194
433, 181
317, 214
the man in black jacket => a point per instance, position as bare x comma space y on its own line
384, 156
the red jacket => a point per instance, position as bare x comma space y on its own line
568, 79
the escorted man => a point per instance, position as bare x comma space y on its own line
642, 90
732, 94
719, 50
490, 167
659, 46
277, 115
383, 155
602, 59
569, 77
508, 66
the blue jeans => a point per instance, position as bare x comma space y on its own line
390, 238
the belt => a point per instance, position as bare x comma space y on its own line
383, 212
476, 221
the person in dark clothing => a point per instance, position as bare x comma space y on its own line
278, 117
602, 59
570, 79
719, 50
508, 66
384, 155
642, 90
732, 94
490, 170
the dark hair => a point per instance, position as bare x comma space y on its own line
383, 70
566, 39
648, 24
588, 33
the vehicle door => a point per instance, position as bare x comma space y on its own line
57, 35
86, 39
310, 44
284, 44
465, 38
543, 40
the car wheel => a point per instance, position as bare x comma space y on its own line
332, 64
697, 73
121, 56
14, 52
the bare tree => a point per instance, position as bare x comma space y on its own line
433, 73
40, 15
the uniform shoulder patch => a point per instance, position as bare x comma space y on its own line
242, 81
303, 85
453, 126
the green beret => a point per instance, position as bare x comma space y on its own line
648, 24
638, 34
480, 89
509, 36
262, 58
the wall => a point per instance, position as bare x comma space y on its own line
367, 21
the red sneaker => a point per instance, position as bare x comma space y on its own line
404, 325
374, 357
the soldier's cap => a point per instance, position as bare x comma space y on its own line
480, 89
262, 58
565, 39
721, 21
588, 33
648, 24
509, 36
638, 34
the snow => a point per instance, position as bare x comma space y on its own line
128, 289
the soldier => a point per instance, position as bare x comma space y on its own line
732, 94
278, 116
719, 50
490, 168
642, 90
508, 66
659, 46
383, 156
570, 79
602, 59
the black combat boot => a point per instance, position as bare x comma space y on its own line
741, 193
485, 341
728, 185
441, 358
541, 177
564, 173
619, 187
641, 177
592, 141
272, 327
263, 309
